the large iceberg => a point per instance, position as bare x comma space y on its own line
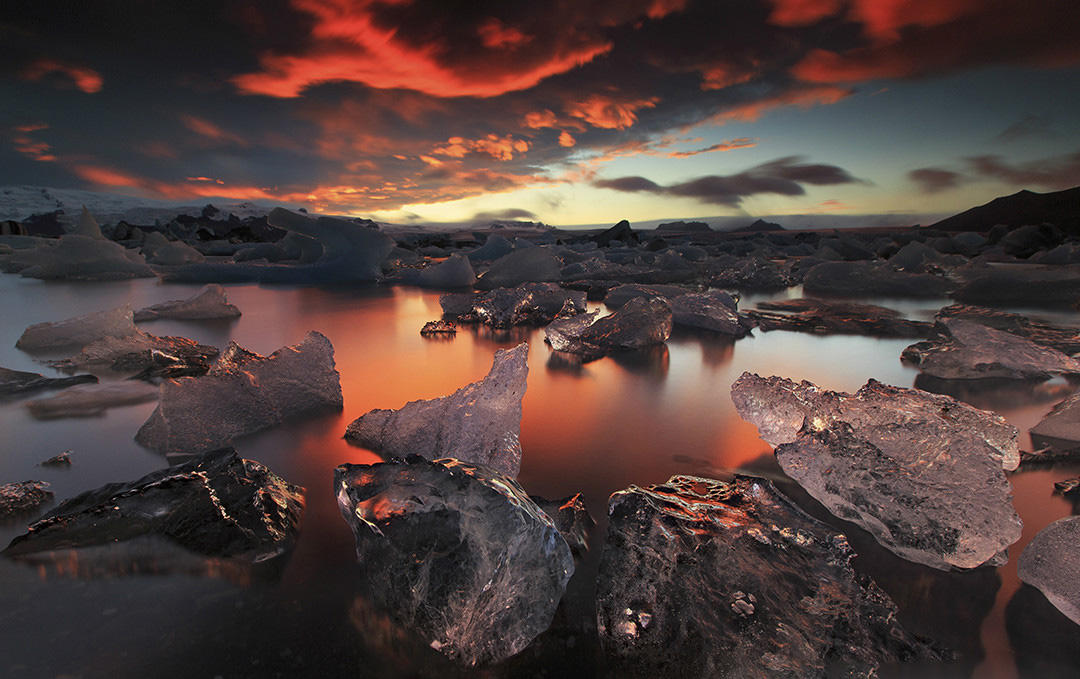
479, 423
77, 257
351, 252
706, 578
456, 553
215, 505
530, 265
243, 393
900, 463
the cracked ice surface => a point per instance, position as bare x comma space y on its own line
706, 578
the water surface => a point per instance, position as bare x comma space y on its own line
634, 419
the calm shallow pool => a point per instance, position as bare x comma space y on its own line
630, 420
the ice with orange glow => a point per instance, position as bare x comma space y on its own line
456, 553
708, 578
479, 423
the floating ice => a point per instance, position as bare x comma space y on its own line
215, 505
900, 463
14, 382
241, 394
91, 400
479, 423
705, 578
456, 553
640, 323
79, 331
966, 350
208, 303
1051, 563
77, 257
531, 265
22, 497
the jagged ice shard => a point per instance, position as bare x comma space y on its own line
241, 394
922, 473
479, 423
216, 505
706, 578
455, 552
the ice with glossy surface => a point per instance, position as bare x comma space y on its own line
900, 463
530, 265
22, 497
243, 393
456, 553
707, 578
479, 423
709, 311
142, 355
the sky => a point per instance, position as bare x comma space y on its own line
567, 111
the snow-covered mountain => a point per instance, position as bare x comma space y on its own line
19, 202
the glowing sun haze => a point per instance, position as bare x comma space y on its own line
569, 111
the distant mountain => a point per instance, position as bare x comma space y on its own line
1061, 208
20, 202
683, 227
759, 225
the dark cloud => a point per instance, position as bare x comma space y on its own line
784, 176
1056, 172
513, 213
1028, 127
629, 184
935, 179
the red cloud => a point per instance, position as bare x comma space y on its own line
30, 147
719, 76
207, 129
494, 34
909, 38
566, 139
350, 45
608, 112
802, 12
86, 79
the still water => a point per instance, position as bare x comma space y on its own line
615, 422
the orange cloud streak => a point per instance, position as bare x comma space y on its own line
86, 79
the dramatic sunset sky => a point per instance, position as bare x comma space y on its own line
570, 111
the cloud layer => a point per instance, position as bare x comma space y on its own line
366, 105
